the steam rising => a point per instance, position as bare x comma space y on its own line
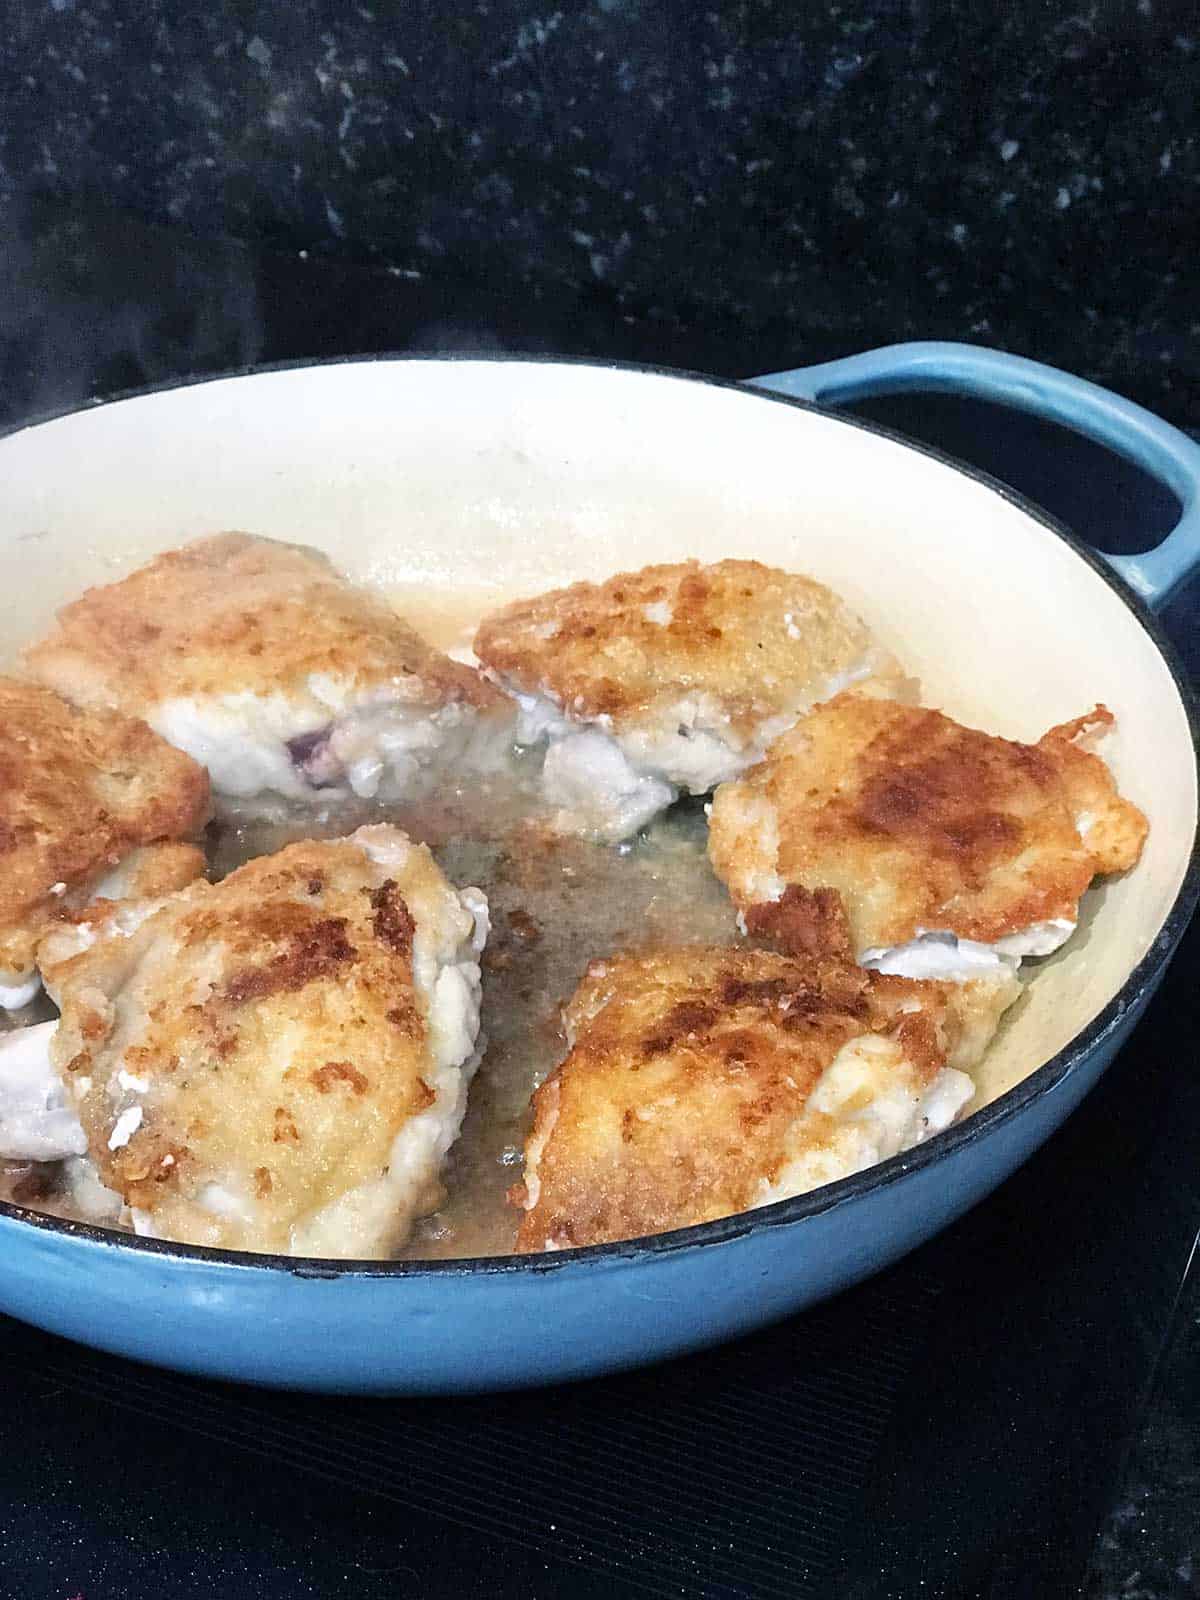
92, 303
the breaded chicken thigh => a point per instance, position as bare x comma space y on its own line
933, 849
278, 1062
670, 680
91, 803
702, 1082
277, 674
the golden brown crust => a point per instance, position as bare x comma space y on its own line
236, 612
803, 922
278, 1039
79, 792
160, 869
757, 640
1118, 829
920, 823
685, 1091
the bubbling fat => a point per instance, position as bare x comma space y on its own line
555, 903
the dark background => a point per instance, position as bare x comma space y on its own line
741, 186
737, 189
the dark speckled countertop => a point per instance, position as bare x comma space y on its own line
187, 188
812, 179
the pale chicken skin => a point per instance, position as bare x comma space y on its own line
278, 1062
701, 1082
896, 829
91, 802
670, 680
276, 673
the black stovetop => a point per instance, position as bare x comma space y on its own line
1001, 1415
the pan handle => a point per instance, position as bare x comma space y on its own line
1047, 392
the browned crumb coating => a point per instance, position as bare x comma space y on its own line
752, 637
80, 792
238, 612
684, 1094
917, 822
271, 1029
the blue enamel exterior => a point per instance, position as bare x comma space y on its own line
468, 1326
455, 1327
1046, 392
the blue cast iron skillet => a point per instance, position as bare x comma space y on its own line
472, 1325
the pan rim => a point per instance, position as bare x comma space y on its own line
959, 1137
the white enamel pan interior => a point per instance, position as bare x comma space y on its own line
458, 484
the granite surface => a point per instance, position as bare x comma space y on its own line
185, 189
1149, 1548
804, 181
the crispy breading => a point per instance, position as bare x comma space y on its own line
702, 1082
244, 1055
919, 823
236, 612
80, 792
757, 642
154, 870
